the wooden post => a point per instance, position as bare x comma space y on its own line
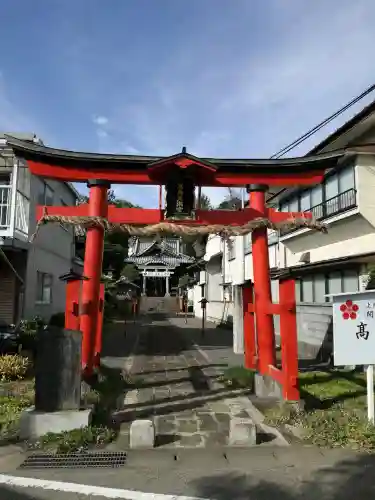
262, 285
99, 327
288, 339
98, 207
250, 344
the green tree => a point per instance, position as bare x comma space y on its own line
205, 202
230, 203
131, 272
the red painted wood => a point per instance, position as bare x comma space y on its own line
288, 179
262, 290
98, 206
99, 327
276, 217
134, 215
276, 374
288, 339
249, 328
73, 288
221, 179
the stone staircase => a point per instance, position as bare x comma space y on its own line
163, 305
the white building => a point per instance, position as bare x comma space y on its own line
322, 263
29, 272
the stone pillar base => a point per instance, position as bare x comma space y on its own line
34, 424
266, 387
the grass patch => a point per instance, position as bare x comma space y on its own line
105, 393
14, 399
335, 413
77, 440
237, 377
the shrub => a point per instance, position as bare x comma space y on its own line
13, 367
57, 319
28, 329
77, 440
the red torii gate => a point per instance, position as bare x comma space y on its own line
100, 171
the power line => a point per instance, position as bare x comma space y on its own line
312, 131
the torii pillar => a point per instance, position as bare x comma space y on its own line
262, 283
97, 207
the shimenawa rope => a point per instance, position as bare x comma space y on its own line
226, 231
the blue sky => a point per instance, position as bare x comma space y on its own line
231, 78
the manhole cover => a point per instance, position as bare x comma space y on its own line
74, 460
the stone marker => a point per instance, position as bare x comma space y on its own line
142, 434
242, 432
57, 385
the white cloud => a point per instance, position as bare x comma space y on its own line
100, 120
102, 134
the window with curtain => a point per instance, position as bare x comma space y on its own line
305, 200
44, 288
332, 191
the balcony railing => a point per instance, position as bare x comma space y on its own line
14, 213
333, 206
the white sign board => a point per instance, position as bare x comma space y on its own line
354, 328
156, 274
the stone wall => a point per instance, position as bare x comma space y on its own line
314, 327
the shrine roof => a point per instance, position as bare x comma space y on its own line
161, 259
159, 253
61, 157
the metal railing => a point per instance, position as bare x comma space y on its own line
333, 206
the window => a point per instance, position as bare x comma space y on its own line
231, 246
337, 193
44, 288
46, 195
315, 288
247, 242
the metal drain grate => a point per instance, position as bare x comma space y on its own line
75, 460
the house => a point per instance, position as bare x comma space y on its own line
29, 272
322, 264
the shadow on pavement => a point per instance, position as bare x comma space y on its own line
346, 480
9, 493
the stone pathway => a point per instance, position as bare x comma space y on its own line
180, 392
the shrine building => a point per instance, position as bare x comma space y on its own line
161, 262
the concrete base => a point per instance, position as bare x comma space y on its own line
34, 424
266, 387
242, 432
142, 434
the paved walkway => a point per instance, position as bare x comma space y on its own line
178, 375
179, 389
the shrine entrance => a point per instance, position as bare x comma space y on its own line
159, 263
182, 217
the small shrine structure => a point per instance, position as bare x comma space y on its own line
157, 260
